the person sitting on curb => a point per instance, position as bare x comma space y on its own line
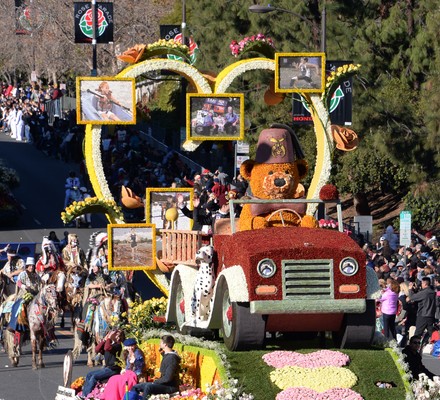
111, 347
168, 382
414, 359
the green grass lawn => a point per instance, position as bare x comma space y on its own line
369, 366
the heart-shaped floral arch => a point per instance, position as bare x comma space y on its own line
324, 139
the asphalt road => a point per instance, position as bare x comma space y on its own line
41, 194
24, 383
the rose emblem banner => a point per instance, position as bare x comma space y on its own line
84, 22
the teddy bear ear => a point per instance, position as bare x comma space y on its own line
246, 169
303, 167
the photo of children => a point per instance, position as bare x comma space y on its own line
107, 101
132, 246
215, 118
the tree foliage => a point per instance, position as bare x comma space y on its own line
396, 96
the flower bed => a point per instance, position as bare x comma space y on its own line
318, 375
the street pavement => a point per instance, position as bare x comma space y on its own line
24, 383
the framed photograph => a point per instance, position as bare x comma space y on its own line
105, 101
299, 72
131, 246
215, 116
162, 211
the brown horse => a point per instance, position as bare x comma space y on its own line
73, 294
42, 312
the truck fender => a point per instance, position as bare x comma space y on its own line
235, 280
237, 285
187, 276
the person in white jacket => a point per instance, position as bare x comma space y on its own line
19, 124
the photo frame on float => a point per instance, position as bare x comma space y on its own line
299, 72
215, 116
161, 208
105, 101
131, 246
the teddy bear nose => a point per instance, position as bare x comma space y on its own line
279, 182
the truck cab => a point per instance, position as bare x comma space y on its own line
279, 279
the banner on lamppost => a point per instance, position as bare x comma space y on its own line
22, 18
340, 103
169, 32
83, 18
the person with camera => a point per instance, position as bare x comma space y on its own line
111, 347
426, 302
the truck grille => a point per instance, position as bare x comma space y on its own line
308, 279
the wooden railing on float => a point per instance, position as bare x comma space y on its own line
180, 247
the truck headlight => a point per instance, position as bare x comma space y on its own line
348, 266
266, 268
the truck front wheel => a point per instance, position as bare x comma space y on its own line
357, 330
241, 330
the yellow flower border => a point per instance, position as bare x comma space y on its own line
91, 205
210, 364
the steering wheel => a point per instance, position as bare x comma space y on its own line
280, 211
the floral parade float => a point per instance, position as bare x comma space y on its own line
265, 279
260, 283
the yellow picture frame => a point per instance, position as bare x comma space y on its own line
163, 194
105, 100
198, 106
128, 253
299, 72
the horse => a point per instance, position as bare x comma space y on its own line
7, 297
42, 312
73, 294
99, 316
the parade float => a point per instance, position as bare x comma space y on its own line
288, 272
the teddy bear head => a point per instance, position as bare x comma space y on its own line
279, 165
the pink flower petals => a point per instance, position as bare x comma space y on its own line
317, 359
301, 393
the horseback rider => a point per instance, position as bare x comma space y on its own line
28, 280
50, 260
13, 267
72, 254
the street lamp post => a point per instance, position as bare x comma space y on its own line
256, 8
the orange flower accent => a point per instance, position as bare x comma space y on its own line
346, 139
133, 55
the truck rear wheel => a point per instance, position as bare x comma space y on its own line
357, 329
241, 330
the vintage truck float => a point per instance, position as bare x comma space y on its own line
281, 279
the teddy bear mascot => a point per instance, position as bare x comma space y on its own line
275, 174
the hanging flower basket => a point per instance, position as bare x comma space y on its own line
141, 52
91, 205
256, 43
